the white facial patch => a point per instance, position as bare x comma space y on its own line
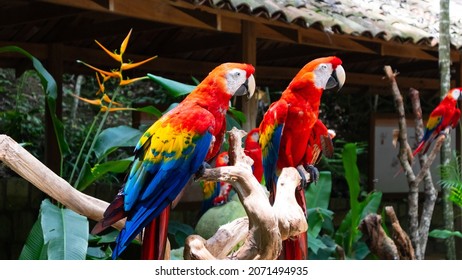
456, 94
322, 74
234, 79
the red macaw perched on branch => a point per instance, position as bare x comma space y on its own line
171, 151
445, 115
286, 129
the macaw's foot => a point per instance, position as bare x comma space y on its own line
309, 174
200, 172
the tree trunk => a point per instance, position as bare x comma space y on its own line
445, 76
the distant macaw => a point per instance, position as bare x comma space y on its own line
286, 129
253, 150
171, 151
445, 115
215, 193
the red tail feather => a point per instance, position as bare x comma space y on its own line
155, 237
113, 213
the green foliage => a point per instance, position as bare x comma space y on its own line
115, 137
58, 234
451, 175
177, 233
217, 216
176, 89
322, 237
443, 234
98, 246
50, 90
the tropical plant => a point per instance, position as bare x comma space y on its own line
451, 180
322, 237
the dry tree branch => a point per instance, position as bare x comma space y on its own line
400, 237
266, 226
376, 238
27, 166
418, 233
261, 230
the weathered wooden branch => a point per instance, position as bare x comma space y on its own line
266, 225
27, 166
400, 237
376, 239
263, 230
418, 232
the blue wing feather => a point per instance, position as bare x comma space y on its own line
152, 186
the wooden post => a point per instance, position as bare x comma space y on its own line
249, 55
55, 67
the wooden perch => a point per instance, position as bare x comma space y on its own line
265, 227
376, 238
400, 237
27, 166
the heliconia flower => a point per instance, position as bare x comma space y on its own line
114, 74
129, 81
124, 44
96, 102
114, 55
104, 108
127, 66
108, 100
101, 85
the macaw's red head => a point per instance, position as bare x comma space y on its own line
252, 138
235, 79
222, 159
455, 93
323, 73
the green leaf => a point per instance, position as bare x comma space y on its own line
351, 171
317, 218
315, 244
231, 122
150, 110
237, 115
64, 232
371, 204
51, 93
90, 175
444, 233
115, 137
175, 88
318, 194
34, 248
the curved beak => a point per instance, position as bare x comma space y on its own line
247, 88
337, 79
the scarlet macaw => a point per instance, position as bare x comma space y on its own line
172, 150
287, 126
445, 115
218, 193
253, 150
